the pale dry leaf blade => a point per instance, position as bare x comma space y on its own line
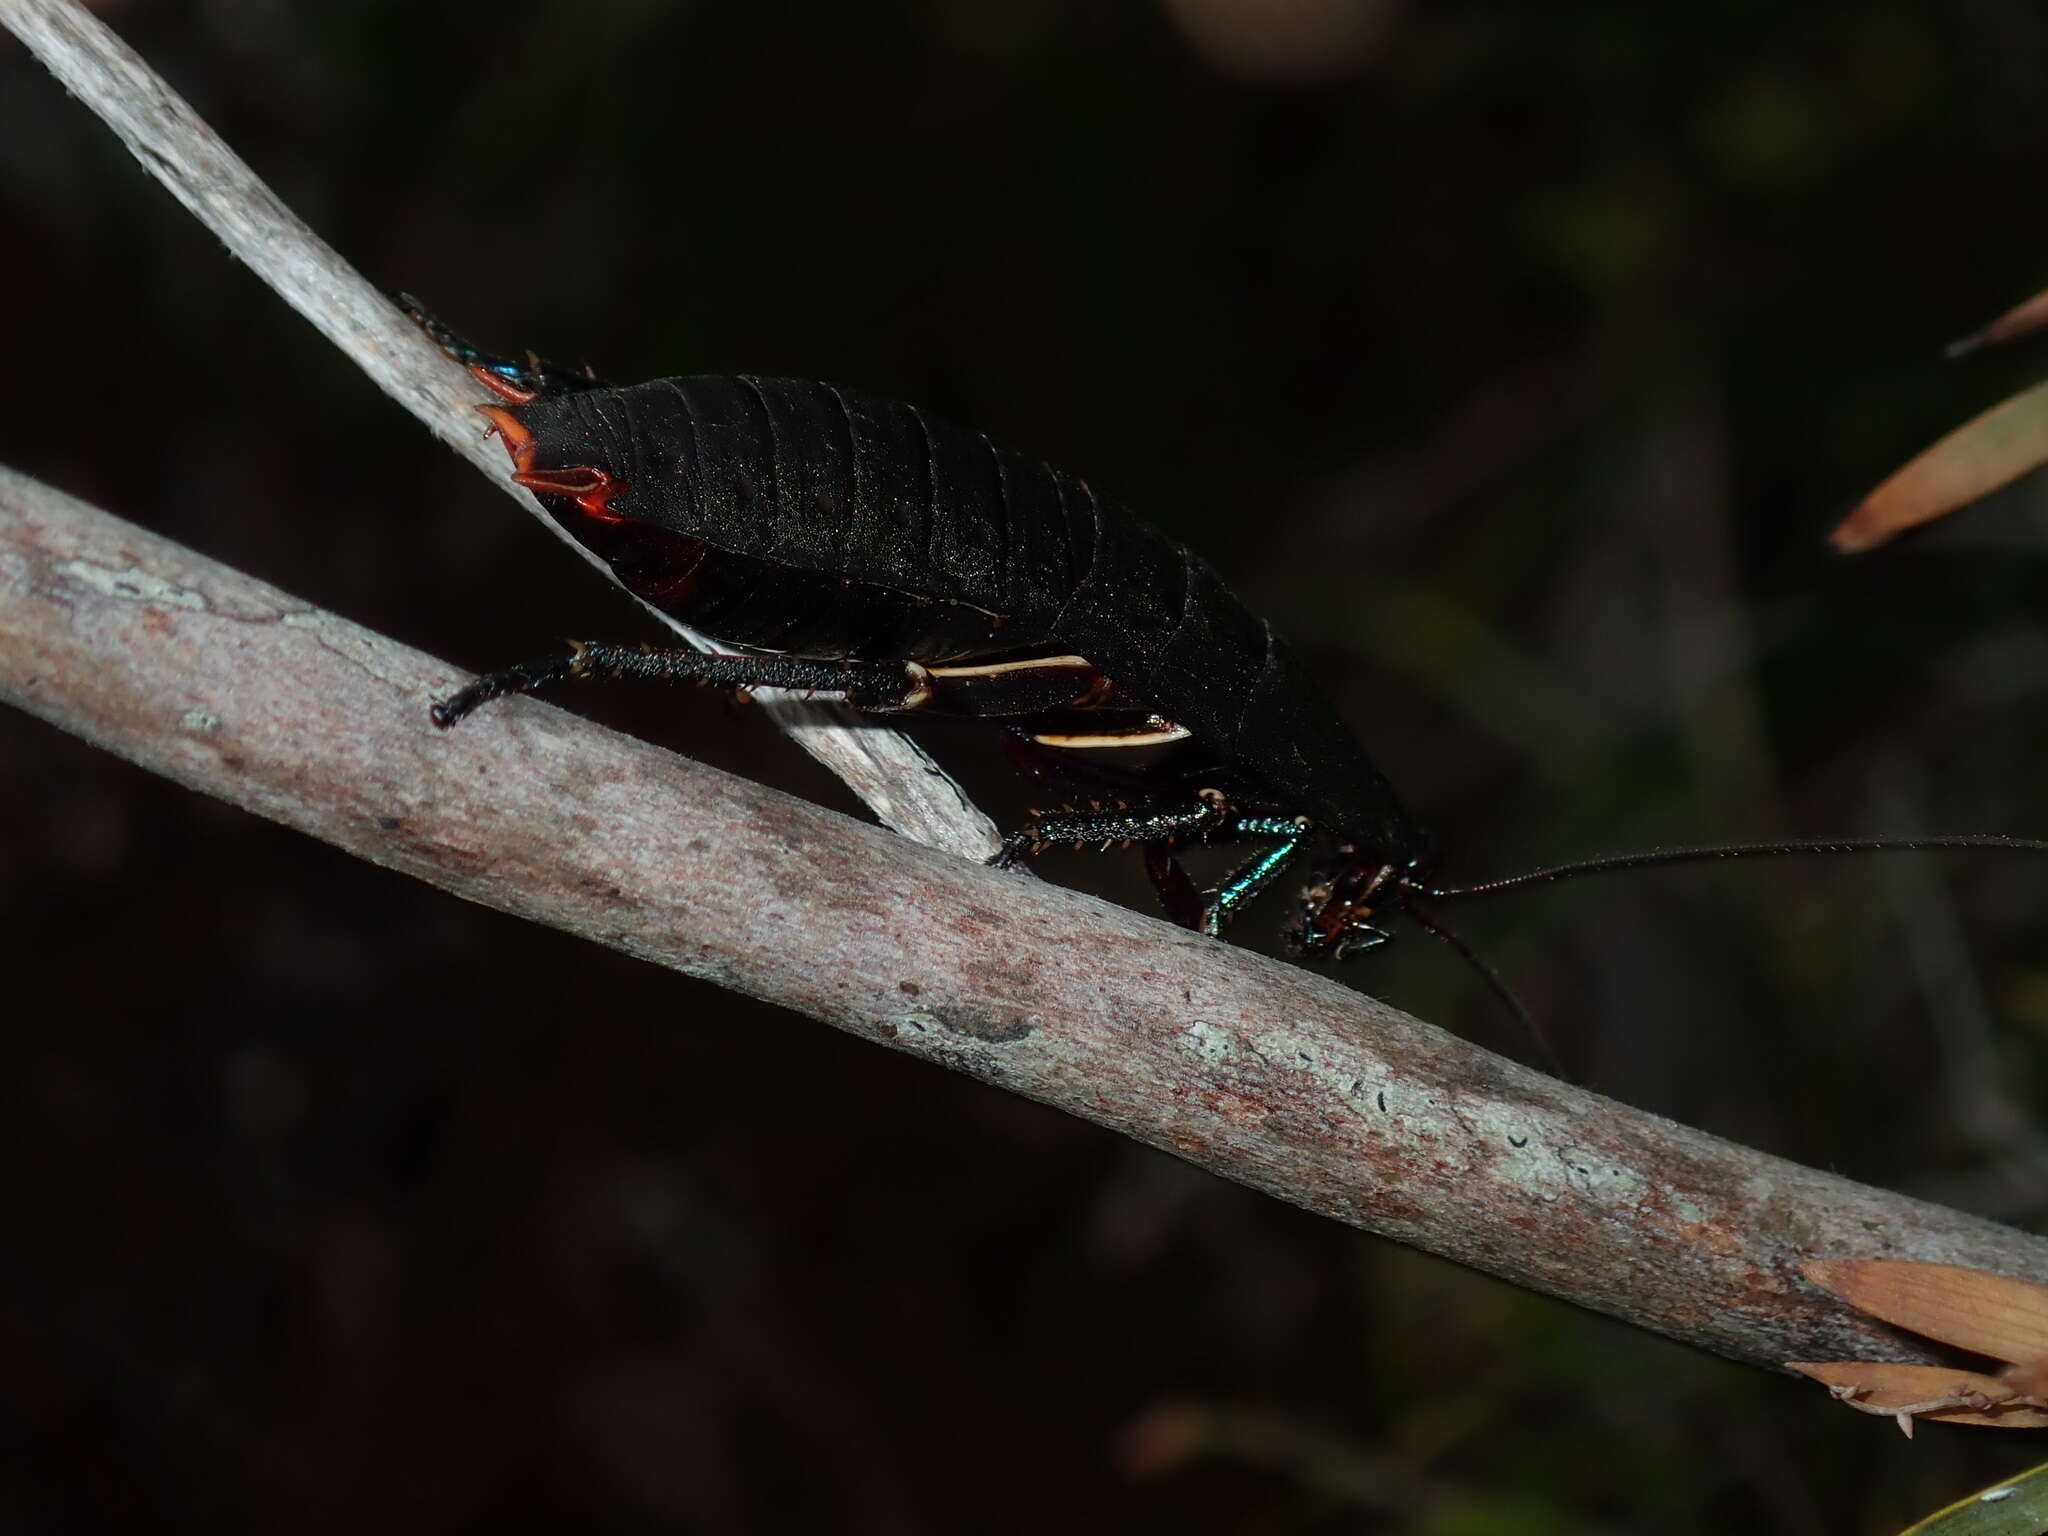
1888, 1384
1972, 1309
1977, 458
2017, 321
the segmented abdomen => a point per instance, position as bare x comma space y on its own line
832, 522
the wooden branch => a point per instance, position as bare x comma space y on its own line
892, 775
1262, 1072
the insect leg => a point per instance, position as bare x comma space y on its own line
1079, 705
1067, 770
866, 685
1163, 825
515, 381
1015, 688
1158, 829
1290, 834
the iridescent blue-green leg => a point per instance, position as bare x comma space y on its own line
1290, 835
1161, 828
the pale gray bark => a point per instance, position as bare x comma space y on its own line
1261, 1072
892, 775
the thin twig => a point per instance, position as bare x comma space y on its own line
1262, 1072
892, 775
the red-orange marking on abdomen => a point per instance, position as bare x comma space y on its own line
596, 501
591, 488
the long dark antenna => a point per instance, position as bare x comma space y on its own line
1500, 989
1701, 855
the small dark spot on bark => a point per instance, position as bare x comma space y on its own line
389, 823
1383, 1101
996, 1031
909, 988
792, 886
698, 845
1518, 1141
233, 763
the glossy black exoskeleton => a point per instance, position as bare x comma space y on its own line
858, 546
871, 550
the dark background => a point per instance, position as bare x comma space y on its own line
1516, 356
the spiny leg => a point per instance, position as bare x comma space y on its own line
1070, 771
1290, 835
1106, 829
878, 686
1158, 829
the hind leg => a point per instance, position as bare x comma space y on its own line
877, 686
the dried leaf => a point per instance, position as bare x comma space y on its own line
1972, 1309
2030, 316
1974, 460
1883, 1387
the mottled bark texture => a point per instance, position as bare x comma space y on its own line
890, 773
1261, 1072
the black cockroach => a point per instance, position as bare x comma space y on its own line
857, 546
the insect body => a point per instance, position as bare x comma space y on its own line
855, 545
860, 546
